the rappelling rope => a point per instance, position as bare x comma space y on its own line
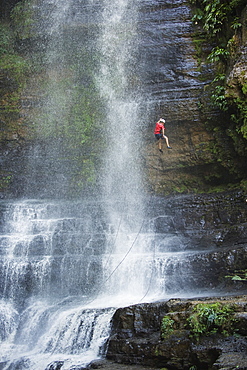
152, 274
116, 236
129, 250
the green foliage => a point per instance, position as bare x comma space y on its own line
218, 93
236, 24
240, 275
218, 97
220, 21
10, 62
166, 326
216, 15
212, 318
71, 116
244, 88
218, 54
5, 180
68, 112
239, 117
16, 66
6, 40
22, 18
15, 70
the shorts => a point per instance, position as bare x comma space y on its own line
159, 136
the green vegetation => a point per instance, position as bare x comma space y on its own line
217, 40
23, 19
6, 40
64, 108
206, 319
14, 70
239, 275
212, 318
12, 64
167, 326
70, 115
5, 180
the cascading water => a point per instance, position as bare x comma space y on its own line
57, 257
122, 179
66, 266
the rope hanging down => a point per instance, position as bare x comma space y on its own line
129, 250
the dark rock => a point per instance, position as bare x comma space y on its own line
136, 337
231, 361
56, 365
210, 220
110, 365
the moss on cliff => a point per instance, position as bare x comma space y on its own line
222, 27
43, 102
14, 72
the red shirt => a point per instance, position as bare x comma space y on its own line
158, 128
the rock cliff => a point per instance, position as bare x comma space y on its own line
174, 84
136, 336
179, 91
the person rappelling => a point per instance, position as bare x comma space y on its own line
159, 133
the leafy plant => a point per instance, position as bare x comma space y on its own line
211, 318
215, 15
240, 275
244, 88
166, 326
218, 98
6, 40
5, 180
220, 25
236, 24
218, 54
22, 18
15, 65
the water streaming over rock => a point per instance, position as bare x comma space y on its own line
66, 266
58, 260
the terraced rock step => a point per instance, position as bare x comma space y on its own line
136, 336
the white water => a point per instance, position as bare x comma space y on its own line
66, 267
47, 334
63, 319
117, 45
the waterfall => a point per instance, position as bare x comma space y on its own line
67, 265
118, 45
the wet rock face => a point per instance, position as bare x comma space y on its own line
136, 337
238, 76
171, 86
208, 221
212, 236
174, 85
178, 92
170, 72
